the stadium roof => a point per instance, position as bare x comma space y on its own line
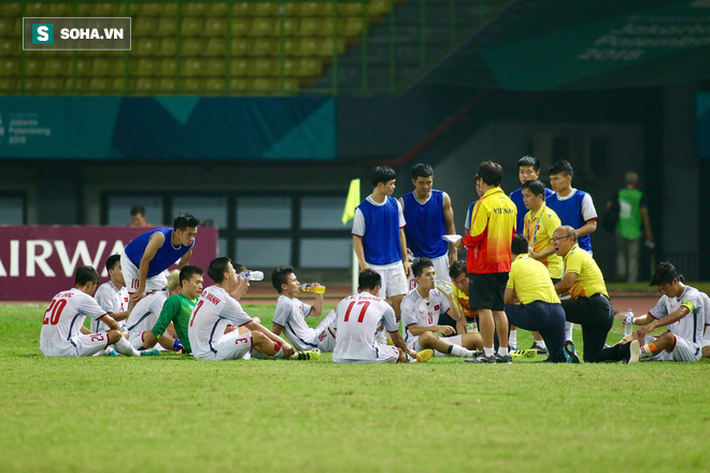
577, 44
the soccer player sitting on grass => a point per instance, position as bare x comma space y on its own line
112, 295
357, 319
145, 314
176, 310
421, 309
63, 332
681, 309
217, 309
290, 314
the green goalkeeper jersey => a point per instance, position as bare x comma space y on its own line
177, 309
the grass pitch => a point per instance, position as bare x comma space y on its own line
174, 413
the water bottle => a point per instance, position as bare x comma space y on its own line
311, 287
251, 275
443, 286
628, 323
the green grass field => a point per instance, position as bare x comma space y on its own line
173, 413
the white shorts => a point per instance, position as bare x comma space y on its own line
441, 266
394, 280
89, 344
383, 354
130, 276
683, 350
326, 333
234, 346
454, 340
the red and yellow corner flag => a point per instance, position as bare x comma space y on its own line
352, 201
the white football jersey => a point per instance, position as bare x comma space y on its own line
63, 320
692, 325
291, 315
706, 329
214, 311
145, 314
112, 300
415, 310
357, 319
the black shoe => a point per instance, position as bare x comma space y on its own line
540, 350
570, 352
507, 359
482, 358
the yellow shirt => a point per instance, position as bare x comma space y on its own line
590, 280
462, 302
538, 230
531, 281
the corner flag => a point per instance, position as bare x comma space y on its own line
352, 201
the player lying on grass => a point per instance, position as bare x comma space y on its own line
176, 311
63, 332
681, 309
421, 309
217, 309
357, 319
290, 314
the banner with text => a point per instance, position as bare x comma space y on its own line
202, 128
36, 262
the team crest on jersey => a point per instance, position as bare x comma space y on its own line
436, 307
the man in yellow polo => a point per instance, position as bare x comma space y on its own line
589, 305
540, 308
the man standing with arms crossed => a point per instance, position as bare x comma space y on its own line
378, 236
488, 260
429, 215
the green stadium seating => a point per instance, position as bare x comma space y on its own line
215, 27
192, 26
47, 9
51, 84
101, 9
8, 85
10, 27
167, 26
11, 10
192, 46
195, 9
10, 47
9, 67
216, 47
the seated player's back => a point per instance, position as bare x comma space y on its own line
358, 317
214, 311
63, 320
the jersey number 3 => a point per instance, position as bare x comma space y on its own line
363, 309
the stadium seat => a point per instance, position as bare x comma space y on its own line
33, 67
239, 85
167, 26
8, 85
191, 26
261, 67
379, 7
215, 27
240, 26
195, 9
51, 84
83, 67
192, 46
218, 9
214, 84
167, 47
190, 85
101, 67
313, 9
216, 47
191, 67
10, 67
101, 9
325, 46
53, 67
263, 27
144, 67
151, 9
143, 84
11, 10
9, 47
242, 10
264, 47
10, 27
350, 9
241, 47
145, 26
47, 9
352, 26
264, 84
266, 9
239, 67
165, 68
145, 46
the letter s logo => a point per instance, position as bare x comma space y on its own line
42, 33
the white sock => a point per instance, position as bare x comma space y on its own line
568, 330
502, 351
488, 351
513, 338
280, 354
461, 352
540, 343
124, 347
